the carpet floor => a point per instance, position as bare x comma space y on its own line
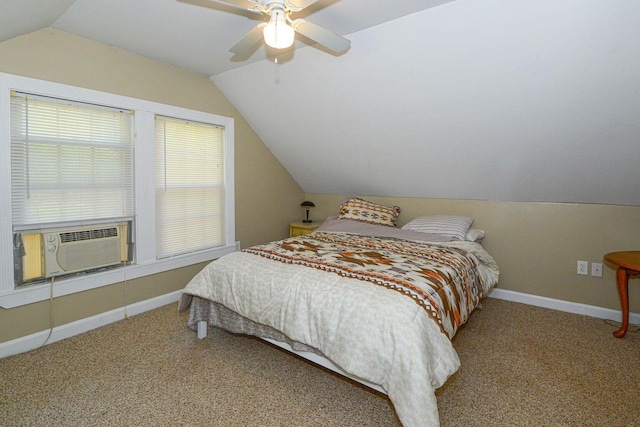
521, 366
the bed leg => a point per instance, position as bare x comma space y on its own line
202, 329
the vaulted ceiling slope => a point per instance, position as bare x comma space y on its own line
530, 100
192, 34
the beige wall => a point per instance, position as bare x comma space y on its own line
33, 318
267, 198
537, 245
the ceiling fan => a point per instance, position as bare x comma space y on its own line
280, 31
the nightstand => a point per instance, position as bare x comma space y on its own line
302, 228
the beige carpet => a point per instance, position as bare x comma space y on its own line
521, 366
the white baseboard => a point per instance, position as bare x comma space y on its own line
566, 306
30, 342
33, 341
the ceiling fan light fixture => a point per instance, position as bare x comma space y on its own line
278, 34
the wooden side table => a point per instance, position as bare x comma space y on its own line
628, 263
302, 228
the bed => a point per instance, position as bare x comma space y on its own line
377, 303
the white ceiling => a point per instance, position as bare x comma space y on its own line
528, 100
192, 34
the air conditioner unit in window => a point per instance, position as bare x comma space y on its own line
52, 253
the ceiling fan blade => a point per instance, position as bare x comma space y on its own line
249, 40
245, 4
301, 4
326, 38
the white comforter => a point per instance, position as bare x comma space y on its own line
369, 331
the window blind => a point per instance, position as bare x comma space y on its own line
190, 186
70, 161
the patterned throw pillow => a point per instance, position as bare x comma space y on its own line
362, 210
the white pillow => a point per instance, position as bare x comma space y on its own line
446, 225
475, 235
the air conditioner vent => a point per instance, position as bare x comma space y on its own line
57, 252
78, 236
78, 249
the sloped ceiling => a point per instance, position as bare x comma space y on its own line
485, 99
529, 100
18, 17
197, 34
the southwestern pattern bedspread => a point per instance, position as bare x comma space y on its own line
442, 280
381, 308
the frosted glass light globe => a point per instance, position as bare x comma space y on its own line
277, 33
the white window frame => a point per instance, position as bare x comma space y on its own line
146, 262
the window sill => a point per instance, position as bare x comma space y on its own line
70, 285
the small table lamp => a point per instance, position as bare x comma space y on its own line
307, 204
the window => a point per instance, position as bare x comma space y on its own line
69, 162
190, 190
74, 156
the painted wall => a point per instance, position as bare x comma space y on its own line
267, 198
536, 245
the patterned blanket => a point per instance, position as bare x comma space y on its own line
443, 280
367, 304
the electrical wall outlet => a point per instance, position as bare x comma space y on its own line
596, 269
583, 268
